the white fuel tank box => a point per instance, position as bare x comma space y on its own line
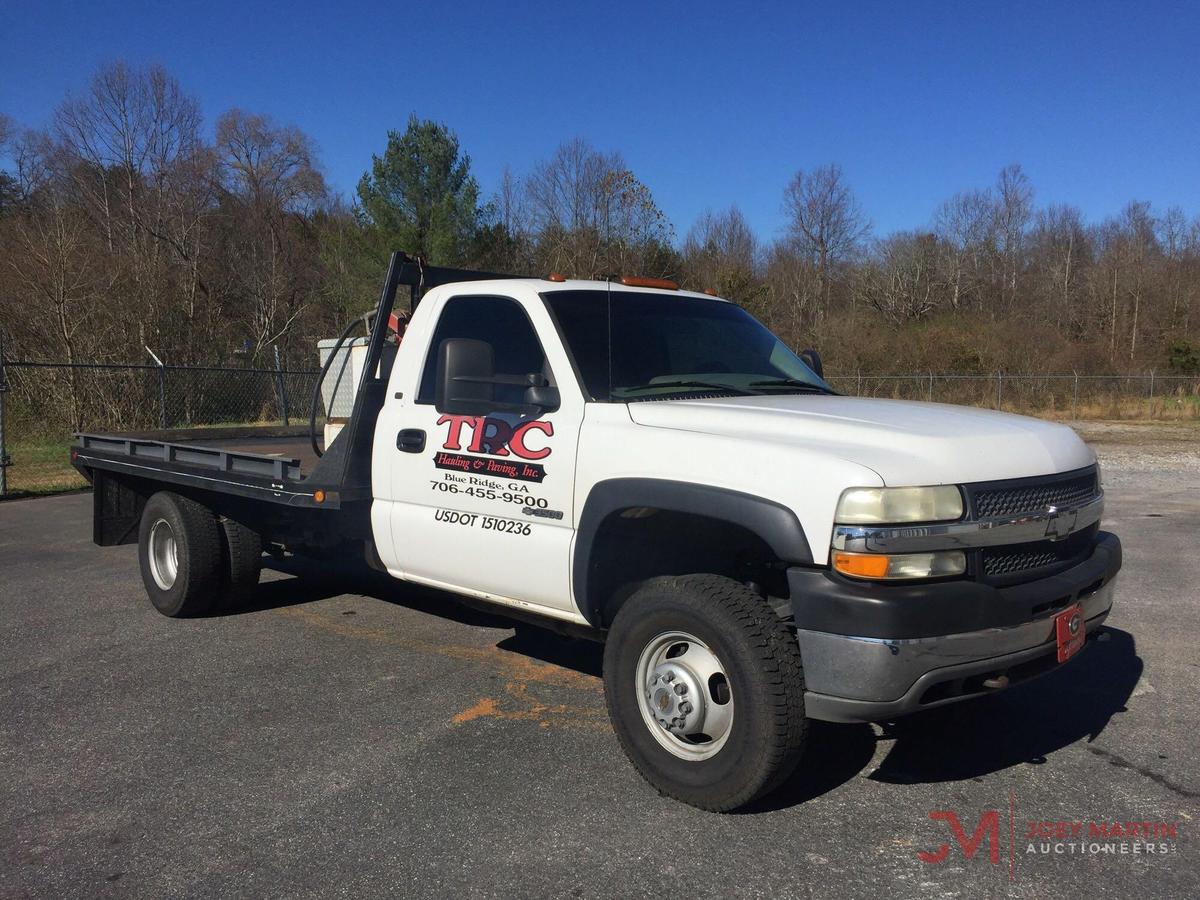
341, 381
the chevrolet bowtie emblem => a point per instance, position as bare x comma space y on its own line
1061, 522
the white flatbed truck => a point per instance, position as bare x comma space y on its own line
654, 469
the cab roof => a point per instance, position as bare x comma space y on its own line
546, 286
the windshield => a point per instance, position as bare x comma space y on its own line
652, 345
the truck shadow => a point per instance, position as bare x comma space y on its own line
314, 580
318, 581
1024, 725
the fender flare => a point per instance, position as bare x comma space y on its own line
774, 523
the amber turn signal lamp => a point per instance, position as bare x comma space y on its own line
861, 565
319, 496
556, 276
638, 281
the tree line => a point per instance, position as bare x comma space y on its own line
128, 223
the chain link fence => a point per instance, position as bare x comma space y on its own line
1144, 396
42, 404
48, 399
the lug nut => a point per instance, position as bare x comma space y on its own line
685, 707
669, 676
681, 688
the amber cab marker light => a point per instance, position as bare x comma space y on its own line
319, 496
638, 281
710, 292
556, 276
861, 566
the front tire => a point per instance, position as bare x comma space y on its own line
179, 550
705, 690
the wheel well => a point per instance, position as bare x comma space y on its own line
638, 543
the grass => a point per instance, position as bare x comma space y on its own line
42, 468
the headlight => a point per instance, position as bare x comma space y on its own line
887, 506
884, 567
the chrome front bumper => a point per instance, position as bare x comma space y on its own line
854, 679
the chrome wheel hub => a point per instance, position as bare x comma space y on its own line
684, 695
164, 555
676, 698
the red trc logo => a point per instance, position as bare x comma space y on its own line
495, 436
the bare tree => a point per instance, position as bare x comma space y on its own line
593, 216
901, 279
964, 225
268, 165
566, 191
825, 221
1179, 240
512, 205
1058, 253
270, 176
721, 253
122, 140
1014, 207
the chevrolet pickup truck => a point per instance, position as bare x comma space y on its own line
653, 468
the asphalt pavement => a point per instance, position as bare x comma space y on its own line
351, 737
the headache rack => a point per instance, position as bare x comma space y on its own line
341, 479
345, 465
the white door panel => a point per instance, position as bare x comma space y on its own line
486, 506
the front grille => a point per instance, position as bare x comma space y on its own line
1016, 559
1033, 496
1007, 563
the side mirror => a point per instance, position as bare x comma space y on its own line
544, 397
466, 383
465, 370
813, 360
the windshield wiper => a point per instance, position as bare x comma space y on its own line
711, 385
792, 383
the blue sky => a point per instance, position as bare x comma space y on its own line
710, 103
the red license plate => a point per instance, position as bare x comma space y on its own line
1069, 631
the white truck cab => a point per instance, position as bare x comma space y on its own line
654, 468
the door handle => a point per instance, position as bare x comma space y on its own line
410, 440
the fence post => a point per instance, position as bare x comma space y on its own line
999, 388
1151, 384
162, 390
1075, 399
931, 387
4, 460
281, 387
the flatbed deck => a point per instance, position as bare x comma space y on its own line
297, 447
270, 468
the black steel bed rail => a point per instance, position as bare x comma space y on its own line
250, 476
233, 462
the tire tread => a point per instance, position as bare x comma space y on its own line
774, 651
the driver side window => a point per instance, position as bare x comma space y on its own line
498, 321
